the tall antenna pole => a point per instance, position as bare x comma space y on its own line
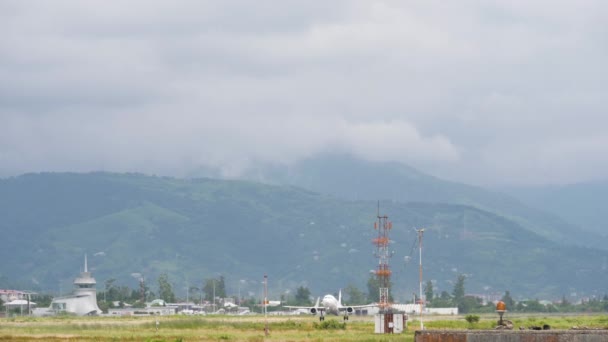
265, 304
420, 233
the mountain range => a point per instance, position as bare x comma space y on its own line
312, 226
581, 204
354, 179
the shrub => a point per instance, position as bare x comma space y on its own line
472, 319
330, 325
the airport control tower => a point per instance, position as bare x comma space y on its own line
82, 301
85, 285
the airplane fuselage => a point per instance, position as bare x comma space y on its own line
330, 303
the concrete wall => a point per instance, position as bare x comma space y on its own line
441, 311
512, 336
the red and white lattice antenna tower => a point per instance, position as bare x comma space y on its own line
383, 272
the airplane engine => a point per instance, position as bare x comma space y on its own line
313, 311
349, 310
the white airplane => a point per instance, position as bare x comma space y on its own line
331, 305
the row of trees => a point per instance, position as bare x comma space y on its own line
471, 304
138, 297
456, 299
216, 288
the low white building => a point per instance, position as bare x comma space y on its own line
151, 310
24, 306
415, 309
441, 311
10, 295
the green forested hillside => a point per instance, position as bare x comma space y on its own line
202, 228
583, 204
350, 178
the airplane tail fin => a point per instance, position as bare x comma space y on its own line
317, 303
340, 297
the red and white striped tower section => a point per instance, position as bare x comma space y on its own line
383, 273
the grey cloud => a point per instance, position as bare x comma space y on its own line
473, 91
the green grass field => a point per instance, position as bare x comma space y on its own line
249, 328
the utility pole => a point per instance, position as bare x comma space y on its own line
265, 304
420, 234
238, 302
142, 289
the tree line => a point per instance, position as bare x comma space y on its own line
214, 289
472, 304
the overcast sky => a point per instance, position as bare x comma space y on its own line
483, 92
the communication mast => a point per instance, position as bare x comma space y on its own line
420, 301
387, 321
383, 272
